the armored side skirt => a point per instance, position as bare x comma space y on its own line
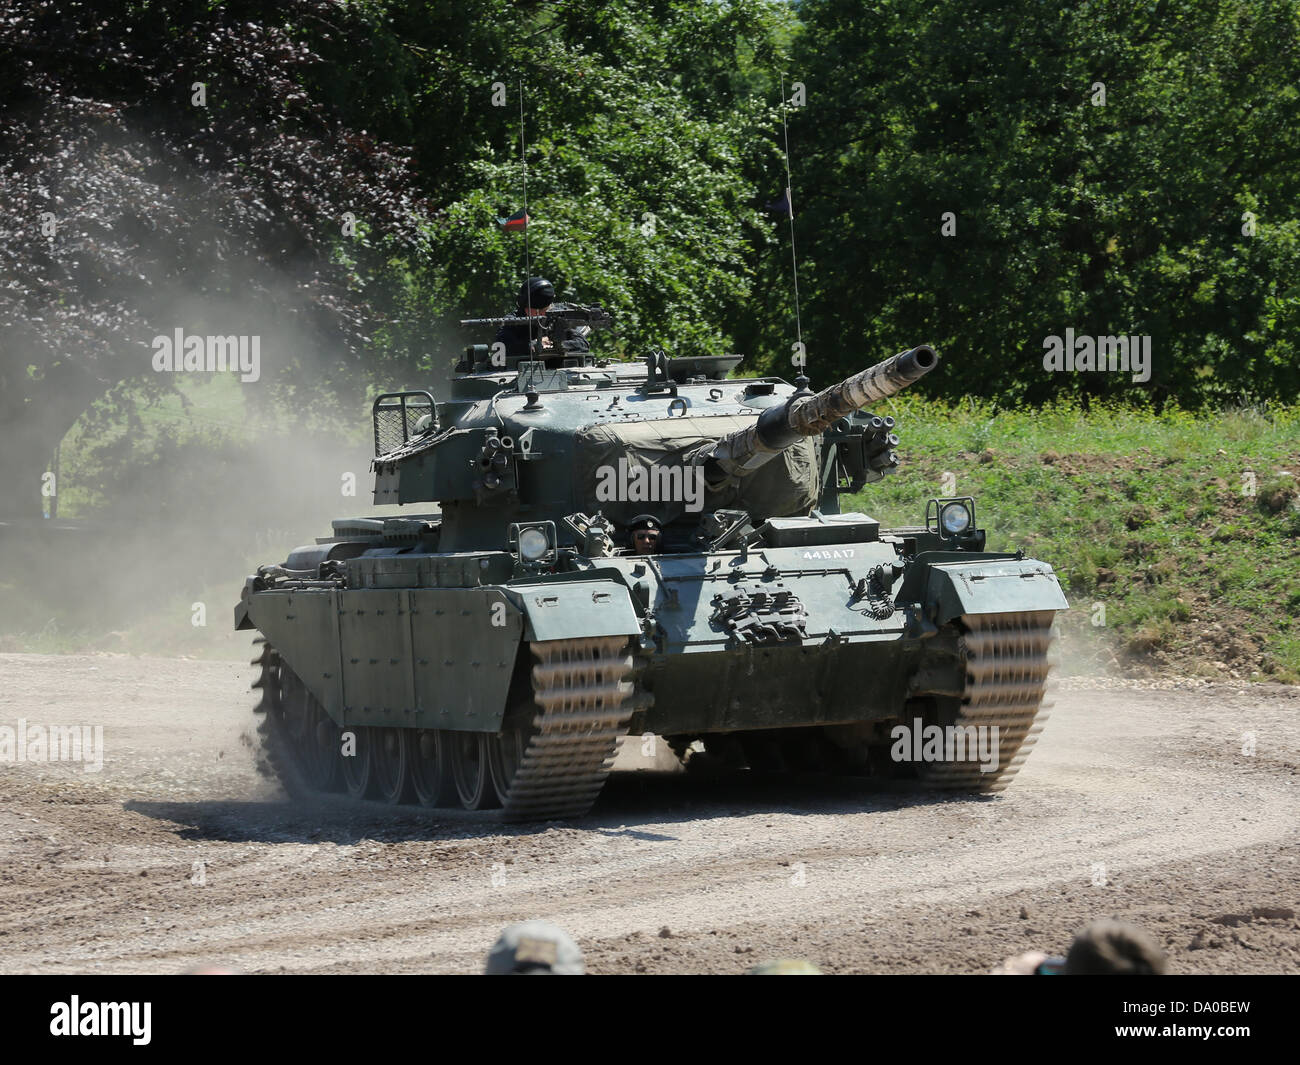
406, 657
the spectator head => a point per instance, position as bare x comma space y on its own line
535, 948
1115, 948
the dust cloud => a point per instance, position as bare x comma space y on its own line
164, 507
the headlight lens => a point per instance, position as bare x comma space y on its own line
955, 518
533, 544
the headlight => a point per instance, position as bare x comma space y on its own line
955, 518
533, 544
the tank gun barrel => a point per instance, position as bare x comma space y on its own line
885, 379
739, 454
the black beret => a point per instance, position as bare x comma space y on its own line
537, 293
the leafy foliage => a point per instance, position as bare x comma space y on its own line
631, 110
1122, 217
220, 218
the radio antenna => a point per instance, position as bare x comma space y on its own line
789, 203
528, 271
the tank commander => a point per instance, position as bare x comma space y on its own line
645, 534
536, 297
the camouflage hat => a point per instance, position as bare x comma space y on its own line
645, 521
537, 293
535, 948
784, 967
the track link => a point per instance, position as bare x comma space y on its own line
585, 699
1007, 661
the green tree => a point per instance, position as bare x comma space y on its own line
133, 207
226, 218
646, 124
1115, 217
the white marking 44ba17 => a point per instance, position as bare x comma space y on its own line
829, 553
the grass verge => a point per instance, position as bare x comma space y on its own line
1176, 536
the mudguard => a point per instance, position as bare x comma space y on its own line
565, 610
994, 586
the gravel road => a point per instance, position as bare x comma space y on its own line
1139, 802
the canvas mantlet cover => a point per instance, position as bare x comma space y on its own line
628, 468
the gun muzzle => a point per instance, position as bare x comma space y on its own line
820, 412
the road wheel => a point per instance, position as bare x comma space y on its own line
428, 755
505, 753
471, 769
358, 773
391, 765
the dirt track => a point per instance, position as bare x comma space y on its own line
1145, 789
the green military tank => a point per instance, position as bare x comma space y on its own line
492, 651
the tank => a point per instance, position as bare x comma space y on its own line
492, 649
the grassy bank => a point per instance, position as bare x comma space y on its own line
1177, 537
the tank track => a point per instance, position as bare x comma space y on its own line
583, 697
1007, 661
275, 758
585, 702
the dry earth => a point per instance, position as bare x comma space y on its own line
1138, 802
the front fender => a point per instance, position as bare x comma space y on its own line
991, 586
564, 610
